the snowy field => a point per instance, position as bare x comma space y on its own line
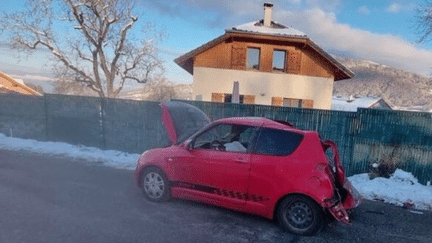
400, 188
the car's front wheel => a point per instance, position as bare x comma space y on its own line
155, 185
300, 215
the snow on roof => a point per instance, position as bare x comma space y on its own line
274, 29
19, 81
351, 104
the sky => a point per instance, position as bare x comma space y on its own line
402, 187
382, 31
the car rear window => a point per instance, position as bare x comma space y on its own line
277, 142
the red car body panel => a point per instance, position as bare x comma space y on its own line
252, 182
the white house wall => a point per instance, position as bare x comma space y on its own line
263, 85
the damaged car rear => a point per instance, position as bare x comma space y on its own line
250, 164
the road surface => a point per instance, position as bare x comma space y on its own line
53, 199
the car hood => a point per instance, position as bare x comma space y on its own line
181, 120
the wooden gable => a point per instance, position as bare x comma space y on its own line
229, 51
232, 54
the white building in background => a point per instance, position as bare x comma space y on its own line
352, 103
273, 64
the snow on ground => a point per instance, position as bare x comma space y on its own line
400, 188
111, 158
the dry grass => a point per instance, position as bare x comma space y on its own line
388, 161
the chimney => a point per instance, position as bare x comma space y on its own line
268, 7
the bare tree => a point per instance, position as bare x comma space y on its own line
161, 90
36, 87
72, 88
424, 21
91, 41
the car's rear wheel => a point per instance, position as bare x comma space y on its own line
300, 215
155, 185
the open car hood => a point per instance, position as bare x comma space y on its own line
181, 120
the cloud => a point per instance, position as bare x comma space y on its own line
364, 10
295, 1
394, 8
34, 77
223, 14
319, 22
324, 29
329, 5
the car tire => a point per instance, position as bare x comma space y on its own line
300, 215
155, 185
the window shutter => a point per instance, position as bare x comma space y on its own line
294, 62
249, 99
238, 58
217, 97
277, 101
307, 103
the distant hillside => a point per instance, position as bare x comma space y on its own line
399, 88
160, 92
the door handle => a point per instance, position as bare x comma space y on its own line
241, 160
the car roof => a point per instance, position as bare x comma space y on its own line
259, 121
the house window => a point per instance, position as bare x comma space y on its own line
253, 57
279, 58
290, 102
227, 98
287, 102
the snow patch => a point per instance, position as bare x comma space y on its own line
400, 188
112, 158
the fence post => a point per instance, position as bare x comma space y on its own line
46, 117
353, 131
102, 121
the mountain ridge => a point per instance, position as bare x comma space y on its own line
401, 89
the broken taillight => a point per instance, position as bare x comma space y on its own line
339, 212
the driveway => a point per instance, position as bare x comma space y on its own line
51, 199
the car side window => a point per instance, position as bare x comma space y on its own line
226, 137
277, 142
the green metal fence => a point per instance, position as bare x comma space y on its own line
363, 137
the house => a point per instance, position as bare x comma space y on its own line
353, 103
10, 85
272, 63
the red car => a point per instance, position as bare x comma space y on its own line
250, 164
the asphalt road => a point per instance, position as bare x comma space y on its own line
49, 199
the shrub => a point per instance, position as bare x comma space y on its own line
387, 163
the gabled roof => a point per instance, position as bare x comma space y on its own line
6, 82
352, 104
275, 31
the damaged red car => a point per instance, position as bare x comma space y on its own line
250, 164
